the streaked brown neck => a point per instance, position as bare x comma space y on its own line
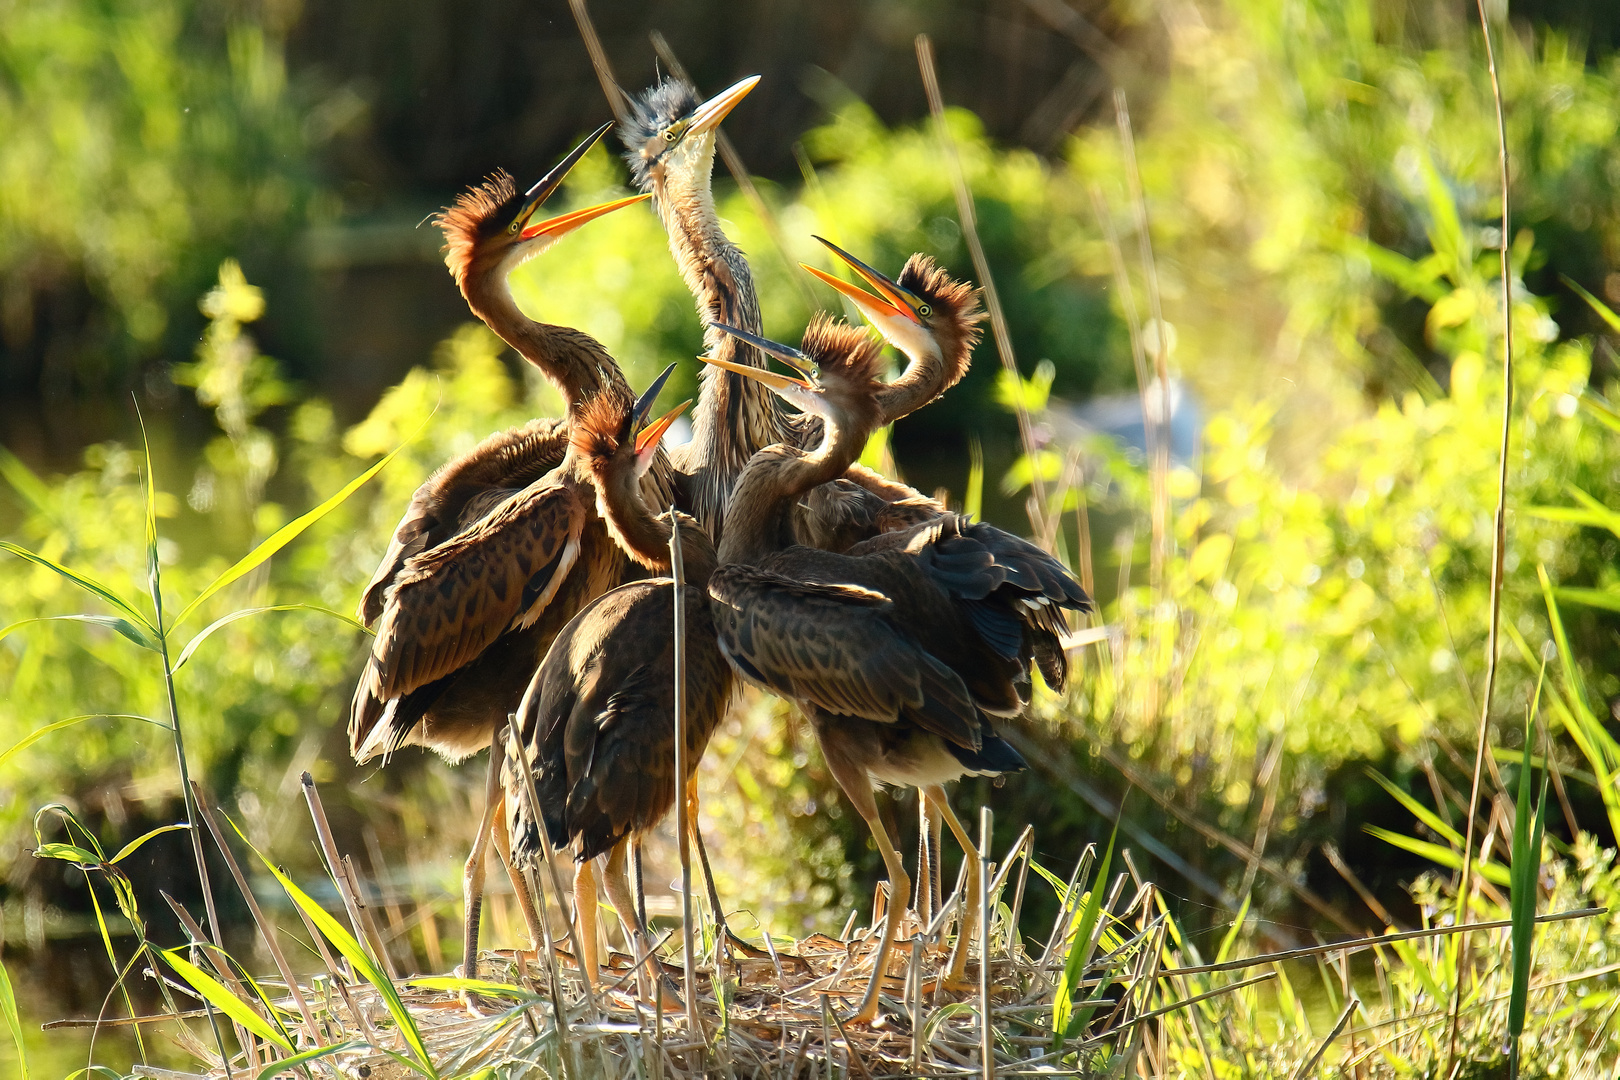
572, 360
775, 480
645, 537
734, 416
921, 382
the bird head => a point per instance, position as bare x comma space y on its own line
669, 131
489, 227
613, 433
839, 371
924, 312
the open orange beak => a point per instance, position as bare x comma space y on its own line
709, 114
648, 439
567, 223
790, 356
892, 299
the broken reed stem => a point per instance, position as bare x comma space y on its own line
352, 903
599, 61
981, 266
987, 1031
266, 931
677, 573
1499, 534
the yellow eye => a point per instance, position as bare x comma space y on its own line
924, 310
669, 135
514, 227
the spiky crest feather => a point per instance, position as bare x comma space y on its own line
956, 301
650, 114
475, 214
844, 351
601, 424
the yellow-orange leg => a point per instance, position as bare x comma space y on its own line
853, 779
970, 922
616, 881
927, 900
472, 876
520, 885
585, 917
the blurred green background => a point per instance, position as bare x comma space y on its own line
210, 216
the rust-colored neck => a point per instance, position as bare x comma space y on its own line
644, 536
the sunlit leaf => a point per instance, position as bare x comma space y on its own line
191, 646
84, 581
1495, 873
137, 634
288, 1064
1418, 810
8, 1007
222, 999
291, 531
68, 853
129, 848
39, 733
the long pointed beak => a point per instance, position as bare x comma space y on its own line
709, 114
769, 378
790, 356
644, 403
550, 182
892, 299
567, 223
655, 430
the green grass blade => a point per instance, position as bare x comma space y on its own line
35, 492
222, 999
973, 499
1059, 886
39, 733
455, 984
1522, 900
8, 1006
137, 634
154, 582
362, 961
1225, 951
1494, 873
1074, 964
1419, 811
191, 646
1603, 310
84, 581
130, 848
1600, 408
290, 532
1606, 599
286, 1065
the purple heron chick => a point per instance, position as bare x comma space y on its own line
898, 650
597, 720
501, 546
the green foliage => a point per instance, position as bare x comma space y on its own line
143, 141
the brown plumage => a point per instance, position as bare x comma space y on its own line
897, 649
597, 719
502, 546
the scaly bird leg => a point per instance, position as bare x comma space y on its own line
617, 883
472, 877
520, 885
970, 922
859, 789
585, 917
725, 935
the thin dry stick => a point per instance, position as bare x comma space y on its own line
379, 870
981, 267
599, 61
1498, 537
1159, 447
677, 572
1358, 944
1305, 1067
745, 182
340, 875
266, 931
372, 933
987, 1031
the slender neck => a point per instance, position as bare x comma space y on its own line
570, 359
773, 483
921, 382
644, 536
734, 416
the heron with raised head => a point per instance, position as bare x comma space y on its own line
501, 547
899, 650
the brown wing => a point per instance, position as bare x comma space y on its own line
462, 492
597, 721
835, 647
449, 604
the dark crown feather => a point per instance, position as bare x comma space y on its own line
474, 216
602, 423
956, 301
846, 351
